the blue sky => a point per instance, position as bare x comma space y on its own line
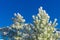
27, 8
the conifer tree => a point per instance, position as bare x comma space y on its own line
45, 29
17, 25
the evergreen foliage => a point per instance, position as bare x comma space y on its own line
41, 29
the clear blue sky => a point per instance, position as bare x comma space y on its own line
27, 8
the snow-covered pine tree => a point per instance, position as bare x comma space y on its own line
17, 26
23, 30
44, 28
